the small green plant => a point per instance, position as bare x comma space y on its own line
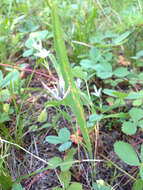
136, 119
65, 178
100, 185
63, 138
5, 109
34, 44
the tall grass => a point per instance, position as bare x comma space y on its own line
73, 98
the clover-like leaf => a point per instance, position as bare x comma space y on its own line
75, 186
65, 146
140, 124
129, 128
65, 178
136, 114
54, 162
121, 72
126, 153
64, 134
53, 139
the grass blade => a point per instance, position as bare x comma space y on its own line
73, 97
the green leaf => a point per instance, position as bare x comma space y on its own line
65, 178
138, 185
1, 77
5, 182
33, 127
17, 186
45, 125
95, 117
86, 64
121, 72
73, 98
119, 40
136, 114
134, 95
65, 146
129, 128
141, 172
28, 53
137, 102
54, 140
123, 149
64, 134
43, 116
96, 187
4, 117
116, 115
120, 95
109, 92
75, 186
142, 152
67, 164
79, 73
140, 124
11, 77
4, 95
139, 54
54, 162
104, 70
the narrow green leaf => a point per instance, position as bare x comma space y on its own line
54, 140
11, 77
73, 98
1, 77
121, 38
126, 153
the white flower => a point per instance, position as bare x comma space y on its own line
96, 92
58, 92
43, 53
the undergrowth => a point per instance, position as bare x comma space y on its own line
82, 60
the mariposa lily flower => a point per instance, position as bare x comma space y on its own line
58, 92
96, 92
42, 53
